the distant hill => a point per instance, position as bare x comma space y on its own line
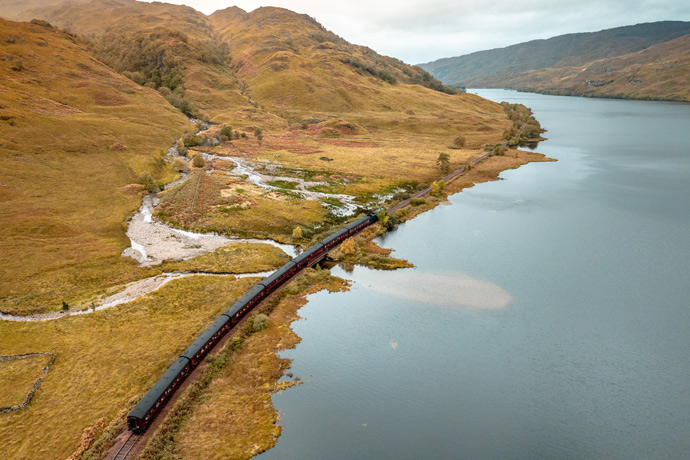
605, 63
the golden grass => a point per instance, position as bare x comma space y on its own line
234, 258
64, 195
18, 377
233, 206
237, 414
104, 360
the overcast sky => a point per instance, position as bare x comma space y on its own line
418, 31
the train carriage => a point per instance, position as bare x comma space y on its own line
197, 350
143, 413
245, 303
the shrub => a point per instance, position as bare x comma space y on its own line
147, 181
297, 233
118, 147
443, 162
65, 306
348, 247
458, 142
417, 201
258, 322
190, 140
180, 165
226, 131
198, 161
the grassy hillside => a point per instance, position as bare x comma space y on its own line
485, 68
658, 72
159, 45
64, 193
291, 63
23, 10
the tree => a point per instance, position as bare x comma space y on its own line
258, 322
437, 187
226, 131
198, 161
384, 219
443, 162
348, 247
458, 142
259, 135
147, 181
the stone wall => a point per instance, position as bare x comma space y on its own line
37, 384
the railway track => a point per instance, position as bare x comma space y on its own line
126, 448
449, 178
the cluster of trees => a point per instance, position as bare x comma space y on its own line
157, 59
525, 126
383, 74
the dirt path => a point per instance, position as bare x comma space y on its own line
132, 292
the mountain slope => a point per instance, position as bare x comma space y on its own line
659, 72
162, 45
62, 114
559, 52
291, 62
22, 10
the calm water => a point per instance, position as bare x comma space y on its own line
548, 316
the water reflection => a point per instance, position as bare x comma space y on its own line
439, 289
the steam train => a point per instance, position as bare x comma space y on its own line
144, 413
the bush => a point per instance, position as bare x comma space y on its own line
147, 181
180, 165
198, 161
458, 142
348, 247
117, 147
190, 140
297, 233
417, 201
226, 131
258, 322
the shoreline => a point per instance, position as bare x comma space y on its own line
266, 381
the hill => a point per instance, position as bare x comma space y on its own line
367, 123
158, 44
74, 134
564, 55
22, 10
660, 72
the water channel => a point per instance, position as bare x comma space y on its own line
547, 316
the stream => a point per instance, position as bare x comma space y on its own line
246, 168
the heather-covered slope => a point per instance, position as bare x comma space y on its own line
159, 44
63, 179
290, 62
